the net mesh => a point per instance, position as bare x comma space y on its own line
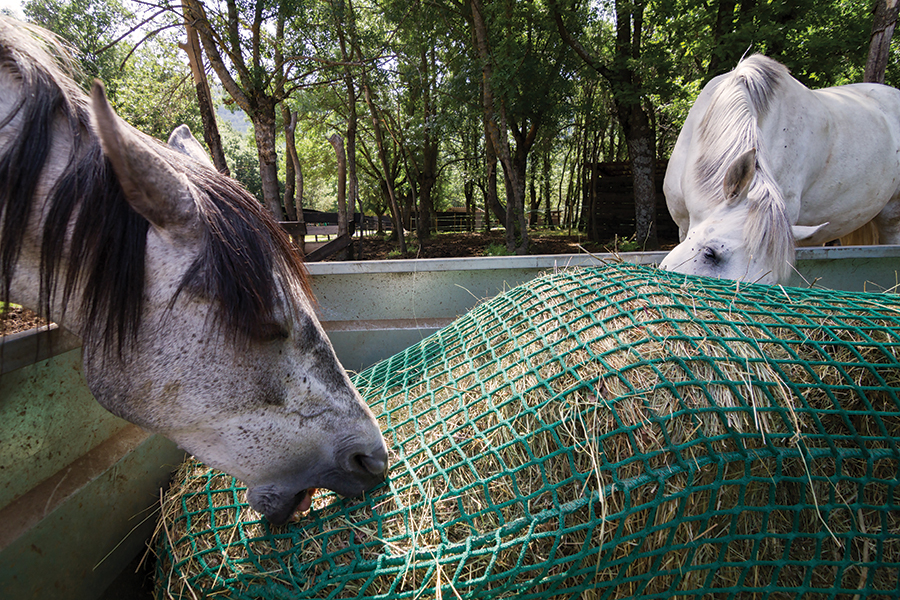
597, 433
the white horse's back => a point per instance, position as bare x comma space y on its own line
827, 163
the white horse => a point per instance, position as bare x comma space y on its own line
193, 305
763, 164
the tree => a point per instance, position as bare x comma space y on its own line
382, 157
153, 92
626, 81
883, 23
344, 19
204, 97
418, 43
293, 180
92, 27
260, 82
522, 68
146, 82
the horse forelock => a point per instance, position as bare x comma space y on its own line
94, 241
729, 128
247, 259
767, 229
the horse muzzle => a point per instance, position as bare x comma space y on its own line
360, 471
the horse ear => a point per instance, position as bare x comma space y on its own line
739, 175
804, 233
151, 185
184, 141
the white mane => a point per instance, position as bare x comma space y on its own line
728, 129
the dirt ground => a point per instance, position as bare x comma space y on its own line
16, 319
448, 245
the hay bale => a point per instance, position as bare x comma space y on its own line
616, 432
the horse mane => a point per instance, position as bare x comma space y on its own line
246, 258
729, 128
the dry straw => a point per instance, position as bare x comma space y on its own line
609, 433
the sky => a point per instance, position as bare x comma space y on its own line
15, 5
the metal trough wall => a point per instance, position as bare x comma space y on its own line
78, 486
372, 310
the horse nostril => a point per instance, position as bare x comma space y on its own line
374, 463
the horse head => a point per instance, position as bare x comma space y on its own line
193, 304
233, 364
746, 236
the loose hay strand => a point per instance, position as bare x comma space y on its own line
613, 432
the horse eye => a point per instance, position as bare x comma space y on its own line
710, 255
272, 332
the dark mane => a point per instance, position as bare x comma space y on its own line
245, 262
247, 258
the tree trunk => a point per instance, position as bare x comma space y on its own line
498, 136
352, 178
517, 233
548, 213
534, 205
293, 184
719, 60
343, 229
204, 97
379, 144
626, 85
491, 197
428, 175
640, 139
379, 225
264, 132
290, 150
257, 101
880, 41
471, 209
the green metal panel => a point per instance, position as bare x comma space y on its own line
49, 419
106, 511
78, 485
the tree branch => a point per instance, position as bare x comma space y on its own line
580, 50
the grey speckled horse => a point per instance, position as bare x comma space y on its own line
763, 164
193, 305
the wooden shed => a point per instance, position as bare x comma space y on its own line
609, 199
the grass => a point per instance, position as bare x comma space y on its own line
629, 244
496, 250
5, 306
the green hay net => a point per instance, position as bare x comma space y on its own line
617, 432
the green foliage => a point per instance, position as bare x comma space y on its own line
496, 250
91, 26
150, 85
629, 244
426, 79
823, 43
155, 93
242, 159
